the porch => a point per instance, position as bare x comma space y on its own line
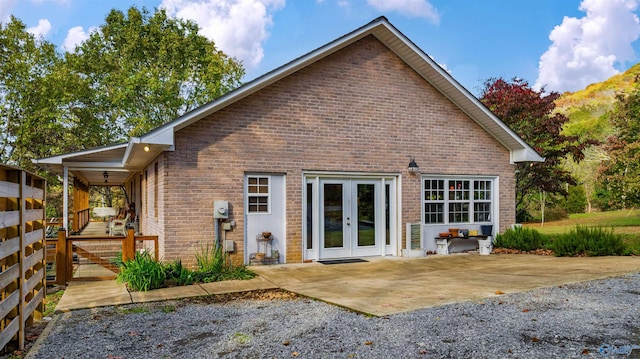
93, 254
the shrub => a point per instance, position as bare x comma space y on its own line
555, 214
213, 266
211, 259
142, 273
576, 201
179, 274
521, 238
589, 241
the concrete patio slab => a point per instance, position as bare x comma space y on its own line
155, 295
386, 286
381, 286
231, 286
79, 295
91, 294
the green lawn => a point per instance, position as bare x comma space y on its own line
625, 222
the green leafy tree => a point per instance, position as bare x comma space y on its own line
619, 176
576, 200
141, 70
586, 173
29, 107
530, 114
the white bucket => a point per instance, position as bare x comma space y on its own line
485, 246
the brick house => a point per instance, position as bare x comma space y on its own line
317, 152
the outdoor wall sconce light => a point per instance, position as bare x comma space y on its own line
413, 166
106, 176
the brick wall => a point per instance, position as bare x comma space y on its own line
152, 213
361, 109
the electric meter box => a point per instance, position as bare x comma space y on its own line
220, 209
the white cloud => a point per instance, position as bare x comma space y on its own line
75, 36
412, 8
586, 50
40, 30
5, 9
238, 27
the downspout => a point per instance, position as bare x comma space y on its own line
65, 199
216, 233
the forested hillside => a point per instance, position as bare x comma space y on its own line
587, 109
609, 171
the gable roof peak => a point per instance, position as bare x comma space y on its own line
405, 49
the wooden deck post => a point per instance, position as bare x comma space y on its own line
61, 258
69, 260
129, 246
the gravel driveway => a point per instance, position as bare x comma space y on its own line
593, 319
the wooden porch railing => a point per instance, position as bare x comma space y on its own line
80, 205
65, 248
80, 219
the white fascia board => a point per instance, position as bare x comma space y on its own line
61, 158
523, 152
96, 166
129, 150
161, 136
525, 155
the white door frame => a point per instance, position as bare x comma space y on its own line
273, 220
312, 214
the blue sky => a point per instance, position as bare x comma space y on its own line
561, 44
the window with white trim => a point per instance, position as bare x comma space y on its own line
482, 201
258, 194
434, 200
457, 200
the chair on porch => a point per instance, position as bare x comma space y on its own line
119, 226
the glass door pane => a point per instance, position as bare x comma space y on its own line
366, 214
333, 215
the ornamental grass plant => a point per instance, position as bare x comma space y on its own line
144, 273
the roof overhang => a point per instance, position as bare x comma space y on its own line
126, 158
118, 161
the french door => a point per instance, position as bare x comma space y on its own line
350, 218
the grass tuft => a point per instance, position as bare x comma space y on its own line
142, 273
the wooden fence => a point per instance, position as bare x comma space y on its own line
22, 253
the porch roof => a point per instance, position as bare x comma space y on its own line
121, 160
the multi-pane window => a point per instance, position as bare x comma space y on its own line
258, 194
457, 200
434, 200
482, 201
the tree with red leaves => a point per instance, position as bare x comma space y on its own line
529, 113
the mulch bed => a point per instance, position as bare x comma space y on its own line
540, 252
